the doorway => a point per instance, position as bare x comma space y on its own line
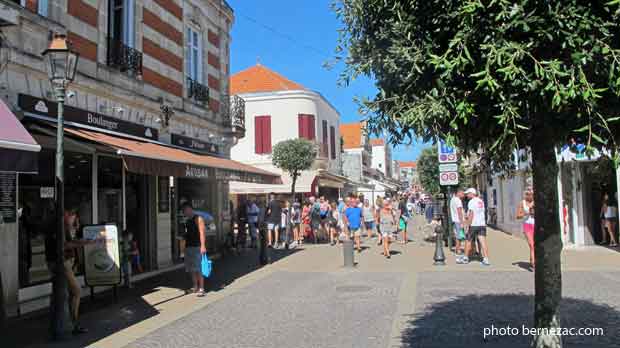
139, 222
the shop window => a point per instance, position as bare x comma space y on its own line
37, 207
110, 191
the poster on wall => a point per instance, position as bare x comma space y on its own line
8, 197
102, 259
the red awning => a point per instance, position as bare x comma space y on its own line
158, 159
18, 150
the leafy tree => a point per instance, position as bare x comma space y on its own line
494, 75
294, 156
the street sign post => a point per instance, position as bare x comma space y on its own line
446, 153
449, 178
448, 167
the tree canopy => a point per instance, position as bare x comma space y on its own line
294, 155
481, 74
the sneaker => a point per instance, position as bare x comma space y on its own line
463, 260
200, 293
485, 262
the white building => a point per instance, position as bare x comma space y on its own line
278, 109
382, 157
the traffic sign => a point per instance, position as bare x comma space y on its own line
447, 154
448, 167
448, 178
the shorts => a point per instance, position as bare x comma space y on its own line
271, 226
459, 232
476, 231
192, 259
385, 233
369, 225
355, 232
528, 230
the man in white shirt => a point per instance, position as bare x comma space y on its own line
476, 221
457, 215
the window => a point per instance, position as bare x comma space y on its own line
324, 132
306, 126
193, 56
121, 23
42, 8
332, 141
262, 134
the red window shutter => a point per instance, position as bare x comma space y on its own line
301, 122
267, 134
311, 128
258, 134
332, 141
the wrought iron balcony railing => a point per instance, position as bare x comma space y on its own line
197, 91
123, 57
237, 111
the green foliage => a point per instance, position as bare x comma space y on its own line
428, 171
294, 156
487, 74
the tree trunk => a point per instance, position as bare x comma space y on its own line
548, 242
290, 207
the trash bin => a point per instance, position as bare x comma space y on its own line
347, 251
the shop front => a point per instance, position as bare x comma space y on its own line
120, 173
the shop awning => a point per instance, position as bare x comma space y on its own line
18, 150
327, 179
303, 185
158, 159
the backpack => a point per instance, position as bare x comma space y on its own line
315, 212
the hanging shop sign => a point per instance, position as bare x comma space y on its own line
8, 197
102, 259
42, 107
197, 172
195, 145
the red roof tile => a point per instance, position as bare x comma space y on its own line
407, 164
351, 135
260, 79
377, 142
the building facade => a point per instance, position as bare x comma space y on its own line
408, 175
278, 109
382, 157
147, 125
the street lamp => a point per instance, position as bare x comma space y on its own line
61, 65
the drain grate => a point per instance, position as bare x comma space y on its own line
353, 288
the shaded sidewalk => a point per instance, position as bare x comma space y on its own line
104, 316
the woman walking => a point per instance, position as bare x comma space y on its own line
378, 207
388, 224
334, 224
609, 212
296, 222
525, 211
369, 218
305, 221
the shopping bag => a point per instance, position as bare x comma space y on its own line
205, 266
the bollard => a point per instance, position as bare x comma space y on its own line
347, 251
439, 256
264, 256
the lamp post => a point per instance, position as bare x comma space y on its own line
61, 65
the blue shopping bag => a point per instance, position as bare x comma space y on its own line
205, 266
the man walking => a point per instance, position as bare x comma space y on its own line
456, 213
252, 212
195, 241
353, 221
476, 220
274, 219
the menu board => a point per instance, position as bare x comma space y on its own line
8, 197
102, 259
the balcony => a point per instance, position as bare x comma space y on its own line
233, 114
124, 58
197, 91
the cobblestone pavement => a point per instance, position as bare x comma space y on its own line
452, 309
344, 309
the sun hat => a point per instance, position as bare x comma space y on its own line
472, 191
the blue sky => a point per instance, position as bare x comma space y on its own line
296, 41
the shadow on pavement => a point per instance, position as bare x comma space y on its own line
462, 321
104, 316
523, 265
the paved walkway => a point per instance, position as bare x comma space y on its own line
307, 299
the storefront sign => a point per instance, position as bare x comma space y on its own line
194, 144
48, 108
8, 197
196, 172
232, 175
102, 259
